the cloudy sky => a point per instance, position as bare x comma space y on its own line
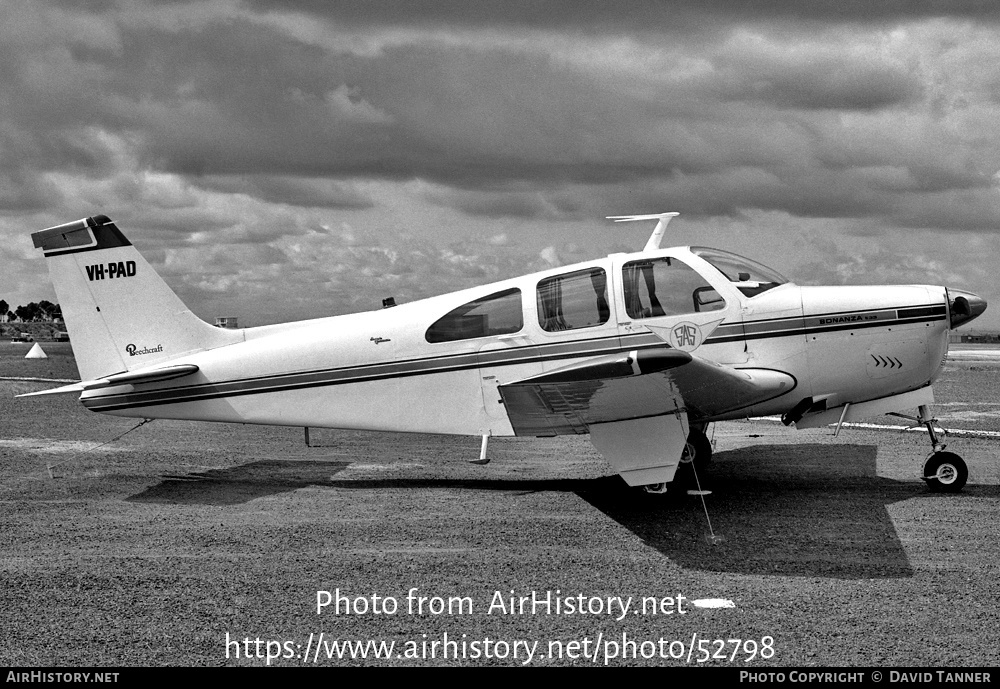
286, 160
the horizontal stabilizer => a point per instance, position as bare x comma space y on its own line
155, 375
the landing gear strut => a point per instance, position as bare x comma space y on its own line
698, 450
944, 472
694, 462
697, 457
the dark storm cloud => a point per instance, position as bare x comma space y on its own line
632, 15
240, 104
24, 191
295, 191
219, 125
240, 99
519, 201
816, 79
471, 118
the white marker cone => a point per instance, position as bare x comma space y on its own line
36, 353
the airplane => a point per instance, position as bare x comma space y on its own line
640, 350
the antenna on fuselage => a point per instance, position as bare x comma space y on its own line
654, 239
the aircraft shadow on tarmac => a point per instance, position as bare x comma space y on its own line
789, 510
240, 484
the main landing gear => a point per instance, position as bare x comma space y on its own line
694, 463
696, 459
698, 450
944, 472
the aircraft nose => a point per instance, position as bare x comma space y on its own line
964, 306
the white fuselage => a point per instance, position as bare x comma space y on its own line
378, 371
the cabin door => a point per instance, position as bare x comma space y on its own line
663, 301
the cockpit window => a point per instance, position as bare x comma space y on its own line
749, 277
496, 314
666, 287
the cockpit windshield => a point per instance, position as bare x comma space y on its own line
749, 277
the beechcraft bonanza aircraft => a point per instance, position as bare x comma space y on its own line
642, 351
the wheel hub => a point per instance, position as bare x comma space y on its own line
946, 474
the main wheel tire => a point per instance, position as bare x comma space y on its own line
945, 472
697, 457
698, 450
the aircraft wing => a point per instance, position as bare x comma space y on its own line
637, 385
153, 375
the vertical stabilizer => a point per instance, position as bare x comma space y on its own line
120, 314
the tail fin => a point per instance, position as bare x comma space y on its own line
119, 313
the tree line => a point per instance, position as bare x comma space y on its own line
35, 311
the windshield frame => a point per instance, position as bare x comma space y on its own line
757, 278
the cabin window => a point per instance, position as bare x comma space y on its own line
666, 287
496, 314
573, 300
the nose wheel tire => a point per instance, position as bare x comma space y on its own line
945, 472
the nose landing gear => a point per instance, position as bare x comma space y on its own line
944, 472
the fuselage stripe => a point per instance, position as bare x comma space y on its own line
548, 352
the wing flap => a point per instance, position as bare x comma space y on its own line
641, 384
643, 451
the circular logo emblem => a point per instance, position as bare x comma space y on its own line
685, 336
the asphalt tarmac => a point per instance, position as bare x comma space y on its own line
216, 544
